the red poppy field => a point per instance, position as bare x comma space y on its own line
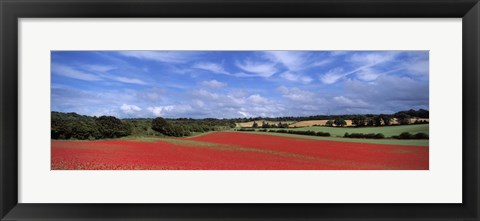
234, 151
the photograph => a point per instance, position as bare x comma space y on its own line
239, 110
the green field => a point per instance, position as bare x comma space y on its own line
388, 131
354, 140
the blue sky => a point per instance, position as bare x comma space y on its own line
231, 84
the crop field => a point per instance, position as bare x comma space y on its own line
234, 151
260, 123
309, 123
388, 131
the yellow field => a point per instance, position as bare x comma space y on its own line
260, 123
309, 123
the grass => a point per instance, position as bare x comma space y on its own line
372, 141
388, 131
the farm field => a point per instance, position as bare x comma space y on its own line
260, 123
406, 142
234, 151
388, 131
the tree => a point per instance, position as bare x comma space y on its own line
359, 121
377, 120
386, 119
255, 125
339, 122
403, 118
329, 123
160, 125
111, 127
371, 122
265, 124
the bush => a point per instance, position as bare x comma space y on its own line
308, 132
407, 135
368, 136
323, 134
421, 136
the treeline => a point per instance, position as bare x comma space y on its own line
361, 119
404, 135
299, 132
75, 126
270, 125
185, 127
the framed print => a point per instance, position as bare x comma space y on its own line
225, 110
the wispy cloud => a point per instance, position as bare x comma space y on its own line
74, 73
295, 77
229, 84
212, 67
213, 84
70, 72
292, 60
333, 76
160, 56
128, 80
98, 68
262, 69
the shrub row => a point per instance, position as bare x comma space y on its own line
308, 132
360, 135
246, 129
407, 135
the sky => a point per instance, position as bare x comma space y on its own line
237, 84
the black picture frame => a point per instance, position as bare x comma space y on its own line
12, 10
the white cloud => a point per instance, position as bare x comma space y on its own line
213, 84
345, 101
365, 63
296, 94
129, 109
257, 99
98, 68
258, 68
160, 56
212, 67
160, 111
321, 62
129, 80
295, 77
292, 60
332, 76
67, 71
171, 110
367, 74
418, 67
244, 114
369, 59
70, 72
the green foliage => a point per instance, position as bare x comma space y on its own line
308, 133
340, 122
359, 121
329, 123
111, 127
403, 119
75, 126
388, 131
368, 136
407, 135
186, 126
